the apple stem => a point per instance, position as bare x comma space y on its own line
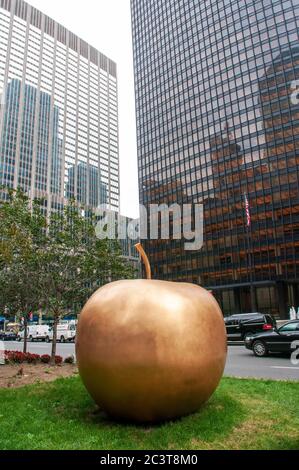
145, 260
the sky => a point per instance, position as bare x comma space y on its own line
106, 25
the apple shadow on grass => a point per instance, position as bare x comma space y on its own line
215, 419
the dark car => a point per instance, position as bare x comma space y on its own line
243, 324
8, 336
276, 341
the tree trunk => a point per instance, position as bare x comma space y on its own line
54, 342
25, 335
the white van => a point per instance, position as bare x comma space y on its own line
35, 333
66, 331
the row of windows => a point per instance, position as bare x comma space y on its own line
19, 32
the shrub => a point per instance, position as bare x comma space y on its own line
45, 359
58, 360
32, 358
69, 360
17, 357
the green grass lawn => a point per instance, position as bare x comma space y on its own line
243, 414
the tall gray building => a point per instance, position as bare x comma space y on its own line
59, 111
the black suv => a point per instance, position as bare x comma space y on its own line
243, 324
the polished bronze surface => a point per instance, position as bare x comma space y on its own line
151, 350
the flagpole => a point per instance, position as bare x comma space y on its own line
250, 267
249, 255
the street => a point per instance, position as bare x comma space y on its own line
240, 361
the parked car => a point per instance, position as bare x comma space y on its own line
243, 324
8, 336
66, 332
276, 341
35, 333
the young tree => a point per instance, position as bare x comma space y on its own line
22, 293
4, 307
75, 264
22, 234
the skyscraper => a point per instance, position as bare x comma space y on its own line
217, 122
98, 190
59, 112
22, 169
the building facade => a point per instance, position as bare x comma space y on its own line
82, 176
218, 124
59, 112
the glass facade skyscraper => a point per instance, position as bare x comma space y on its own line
98, 190
59, 111
23, 169
218, 124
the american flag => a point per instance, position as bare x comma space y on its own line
247, 208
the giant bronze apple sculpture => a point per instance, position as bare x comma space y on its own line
151, 350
